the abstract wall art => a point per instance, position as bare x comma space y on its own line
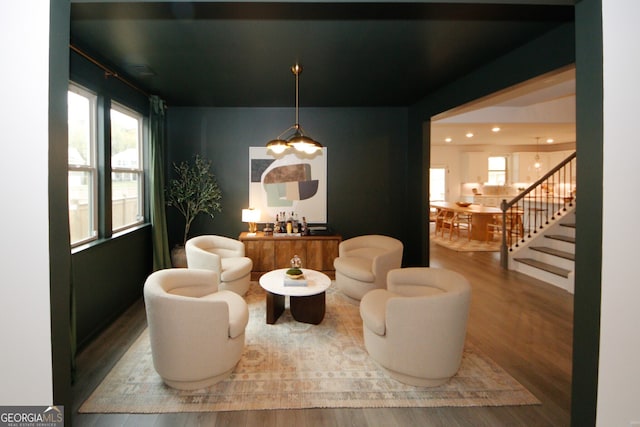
288, 183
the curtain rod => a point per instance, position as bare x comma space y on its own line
108, 72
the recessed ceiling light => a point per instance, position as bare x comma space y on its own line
469, 135
495, 129
448, 140
549, 140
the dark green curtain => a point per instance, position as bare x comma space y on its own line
157, 142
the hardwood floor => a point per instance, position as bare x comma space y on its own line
523, 324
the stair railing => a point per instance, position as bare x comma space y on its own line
530, 211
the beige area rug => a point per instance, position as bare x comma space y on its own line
462, 244
294, 365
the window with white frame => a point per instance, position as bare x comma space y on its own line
127, 172
83, 179
497, 170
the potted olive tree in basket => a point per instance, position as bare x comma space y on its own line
193, 191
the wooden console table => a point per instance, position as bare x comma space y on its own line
272, 252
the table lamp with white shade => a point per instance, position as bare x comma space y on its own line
252, 216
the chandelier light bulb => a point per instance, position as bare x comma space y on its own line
278, 149
277, 146
310, 149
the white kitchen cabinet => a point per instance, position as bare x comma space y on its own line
475, 167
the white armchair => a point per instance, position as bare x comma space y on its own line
416, 328
363, 263
197, 333
223, 255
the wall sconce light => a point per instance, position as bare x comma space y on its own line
252, 216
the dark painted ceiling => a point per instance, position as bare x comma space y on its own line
358, 54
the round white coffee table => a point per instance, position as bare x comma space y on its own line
307, 303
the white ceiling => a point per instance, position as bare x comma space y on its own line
526, 114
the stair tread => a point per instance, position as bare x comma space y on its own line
555, 252
569, 224
544, 266
561, 237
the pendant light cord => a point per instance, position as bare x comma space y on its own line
296, 69
298, 140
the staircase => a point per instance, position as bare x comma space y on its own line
550, 255
541, 243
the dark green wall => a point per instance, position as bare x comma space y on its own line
588, 276
366, 162
108, 274
108, 278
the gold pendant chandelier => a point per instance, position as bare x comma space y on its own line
294, 137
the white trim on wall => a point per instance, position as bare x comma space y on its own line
619, 370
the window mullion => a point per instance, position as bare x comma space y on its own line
104, 167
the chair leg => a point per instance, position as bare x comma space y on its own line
454, 226
447, 224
